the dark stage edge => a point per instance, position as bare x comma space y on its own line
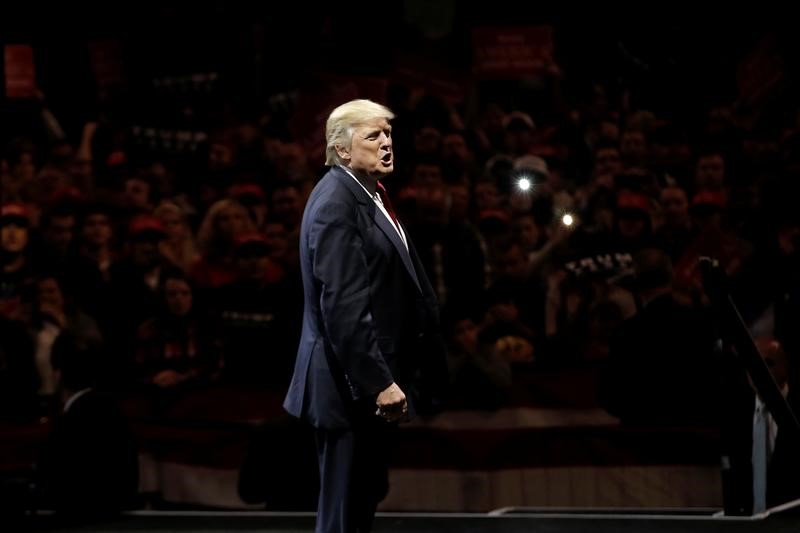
506, 521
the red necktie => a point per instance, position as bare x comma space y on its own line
387, 203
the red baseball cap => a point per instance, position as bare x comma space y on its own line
251, 240
251, 190
710, 198
142, 224
66, 195
631, 201
494, 214
116, 158
14, 210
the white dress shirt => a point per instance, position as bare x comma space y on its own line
772, 425
379, 203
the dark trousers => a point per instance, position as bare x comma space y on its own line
353, 468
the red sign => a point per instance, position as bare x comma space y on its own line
19, 71
513, 53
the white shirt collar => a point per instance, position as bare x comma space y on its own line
379, 203
352, 175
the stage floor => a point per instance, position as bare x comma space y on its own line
552, 521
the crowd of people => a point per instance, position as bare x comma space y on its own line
181, 276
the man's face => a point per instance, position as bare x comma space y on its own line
220, 156
178, 296
231, 222
633, 143
137, 193
252, 264
427, 175
465, 335
14, 237
427, 140
432, 206
486, 195
454, 146
277, 240
174, 226
512, 264
371, 149
60, 231
287, 205
527, 231
630, 225
607, 162
97, 230
144, 250
675, 206
49, 293
710, 173
633, 149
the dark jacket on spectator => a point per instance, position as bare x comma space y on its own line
89, 464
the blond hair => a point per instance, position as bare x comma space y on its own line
344, 119
182, 254
211, 241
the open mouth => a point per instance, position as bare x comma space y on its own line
387, 158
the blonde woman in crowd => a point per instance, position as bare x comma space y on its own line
225, 220
179, 247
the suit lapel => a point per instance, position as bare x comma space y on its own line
391, 233
380, 220
361, 195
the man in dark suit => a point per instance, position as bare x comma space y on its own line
89, 464
764, 460
370, 322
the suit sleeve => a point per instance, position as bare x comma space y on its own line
340, 266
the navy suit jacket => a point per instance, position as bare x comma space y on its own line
370, 315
